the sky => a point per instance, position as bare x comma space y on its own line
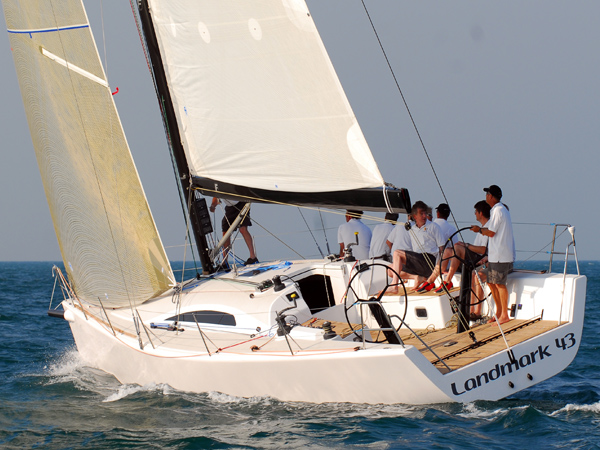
502, 92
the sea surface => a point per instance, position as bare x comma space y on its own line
49, 398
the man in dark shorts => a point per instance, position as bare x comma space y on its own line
232, 210
427, 241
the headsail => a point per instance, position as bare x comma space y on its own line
258, 103
106, 233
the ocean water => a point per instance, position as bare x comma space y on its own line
50, 399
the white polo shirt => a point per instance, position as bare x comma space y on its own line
346, 236
379, 245
447, 229
400, 238
427, 239
501, 246
481, 240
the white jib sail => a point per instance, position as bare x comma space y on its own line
257, 99
106, 233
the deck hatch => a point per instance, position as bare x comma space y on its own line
212, 317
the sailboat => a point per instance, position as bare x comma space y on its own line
254, 112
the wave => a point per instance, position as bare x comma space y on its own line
219, 397
472, 411
129, 389
70, 369
67, 365
594, 408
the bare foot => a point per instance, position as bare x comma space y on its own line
492, 320
500, 321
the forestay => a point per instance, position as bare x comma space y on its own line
257, 99
106, 233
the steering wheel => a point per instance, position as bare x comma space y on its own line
452, 248
365, 277
454, 254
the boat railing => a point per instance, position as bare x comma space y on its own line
567, 252
66, 289
366, 329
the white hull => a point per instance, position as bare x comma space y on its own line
234, 111
330, 371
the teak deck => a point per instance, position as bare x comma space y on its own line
459, 350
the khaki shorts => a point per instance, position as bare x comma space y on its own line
498, 272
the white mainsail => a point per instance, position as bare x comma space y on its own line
106, 233
257, 100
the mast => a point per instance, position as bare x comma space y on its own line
196, 206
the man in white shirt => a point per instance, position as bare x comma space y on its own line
399, 238
354, 229
379, 248
501, 250
464, 251
443, 212
427, 243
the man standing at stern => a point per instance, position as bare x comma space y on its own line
501, 250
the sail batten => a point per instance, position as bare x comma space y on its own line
257, 100
73, 67
106, 233
47, 30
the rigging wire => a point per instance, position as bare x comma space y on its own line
101, 192
408, 109
412, 121
182, 201
118, 197
180, 287
126, 247
311, 233
324, 232
103, 37
545, 246
403, 98
272, 235
232, 237
251, 199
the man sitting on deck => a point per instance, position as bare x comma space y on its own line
464, 251
427, 243
399, 238
379, 248
443, 212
